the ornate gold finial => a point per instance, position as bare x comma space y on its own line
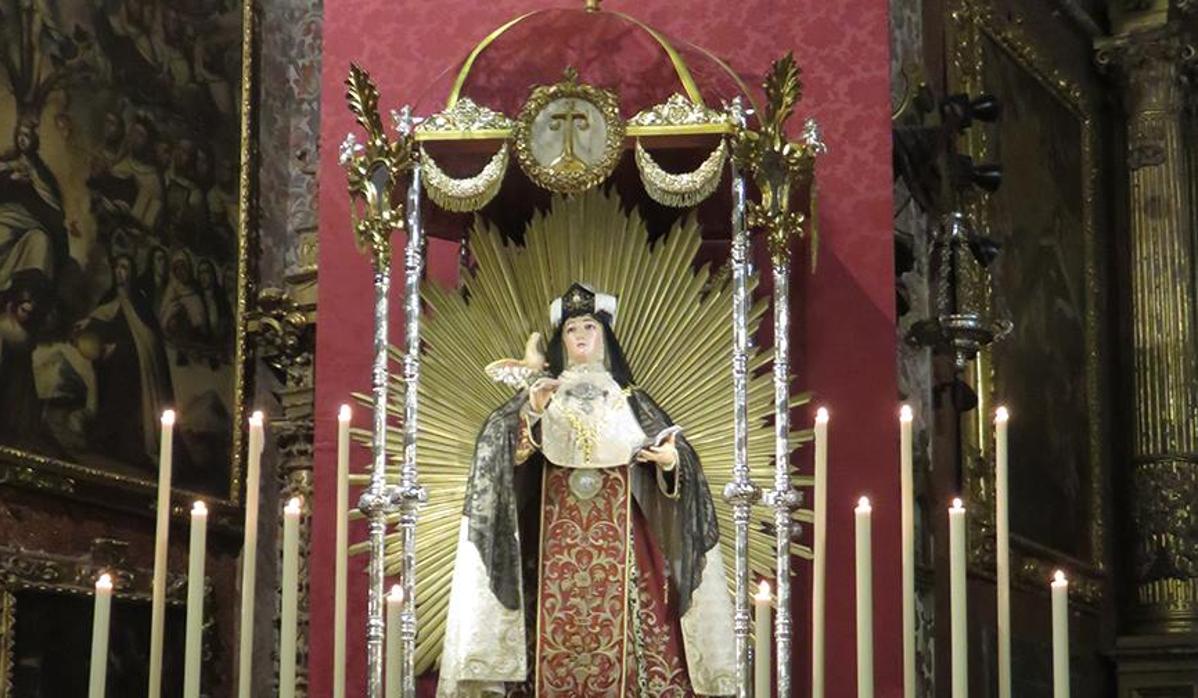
593, 5
373, 168
775, 163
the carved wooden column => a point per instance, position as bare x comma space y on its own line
1151, 60
285, 328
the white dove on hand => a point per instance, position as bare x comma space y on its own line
518, 373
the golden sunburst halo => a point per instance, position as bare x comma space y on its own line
675, 326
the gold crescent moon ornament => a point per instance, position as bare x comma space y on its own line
684, 189
676, 330
468, 193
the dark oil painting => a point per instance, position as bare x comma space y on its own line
119, 159
1041, 368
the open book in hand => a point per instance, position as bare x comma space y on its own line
662, 436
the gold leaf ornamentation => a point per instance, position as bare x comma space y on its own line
568, 172
678, 111
464, 117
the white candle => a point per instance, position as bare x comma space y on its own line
342, 559
762, 650
100, 619
819, 567
288, 615
195, 601
957, 602
907, 484
393, 681
1060, 636
865, 600
161, 537
249, 551
1002, 552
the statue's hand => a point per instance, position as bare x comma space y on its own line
665, 455
541, 393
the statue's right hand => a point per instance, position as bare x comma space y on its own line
542, 392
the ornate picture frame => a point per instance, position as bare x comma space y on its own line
986, 46
53, 577
124, 247
569, 164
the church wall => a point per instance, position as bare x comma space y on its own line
1060, 33
845, 351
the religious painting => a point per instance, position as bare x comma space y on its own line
51, 646
1043, 370
121, 246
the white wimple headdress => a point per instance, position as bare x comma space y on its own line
580, 299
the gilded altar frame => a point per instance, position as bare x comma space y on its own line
973, 23
42, 473
26, 570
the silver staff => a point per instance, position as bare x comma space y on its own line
740, 492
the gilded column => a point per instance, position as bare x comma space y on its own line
1164, 439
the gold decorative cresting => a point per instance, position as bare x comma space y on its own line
372, 168
775, 163
1151, 67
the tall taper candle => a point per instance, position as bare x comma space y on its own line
249, 552
1002, 540
762, 650
342, 546
393, 685
1060, 636
819, 567
288, 614
907, 484
100, 619
957, 602
865, 600
161, 537
195, 601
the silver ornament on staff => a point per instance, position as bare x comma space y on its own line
741, 492
374, 170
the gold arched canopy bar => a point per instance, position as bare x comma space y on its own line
680, 67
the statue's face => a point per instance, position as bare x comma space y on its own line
583, 337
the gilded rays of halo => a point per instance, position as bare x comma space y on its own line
675, 328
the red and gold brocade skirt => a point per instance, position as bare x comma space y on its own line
604, 627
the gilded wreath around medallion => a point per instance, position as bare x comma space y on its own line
569, 136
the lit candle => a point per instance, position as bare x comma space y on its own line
762, 650
394, 682
249, 551
957, 602
865, 601
100, 618
1060, 636
288, 615
195, 601
342, 560
161, 537
1002, 552
907, 477
819, 567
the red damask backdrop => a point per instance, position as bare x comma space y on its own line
845, 333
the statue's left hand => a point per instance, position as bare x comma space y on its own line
665, 455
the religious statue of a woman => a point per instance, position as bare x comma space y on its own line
588, 558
